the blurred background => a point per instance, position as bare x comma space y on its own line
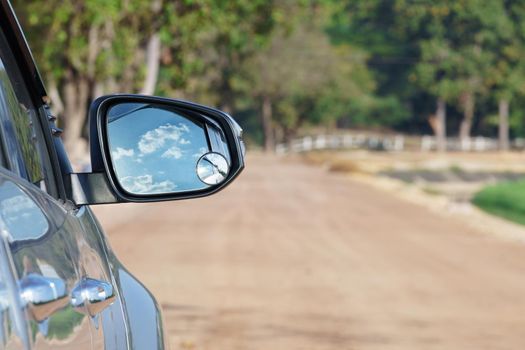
382, 205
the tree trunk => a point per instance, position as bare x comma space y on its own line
503, 129
152, 64
93, 50
267, 121
468, 116
441, 125
289, 135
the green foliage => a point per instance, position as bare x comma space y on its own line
456, 54
376, 28
446, 49
63, 322
503, 199
215, 41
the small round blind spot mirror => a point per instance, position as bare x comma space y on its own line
212, 168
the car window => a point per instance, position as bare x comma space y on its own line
24, 150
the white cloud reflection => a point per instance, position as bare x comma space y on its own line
122, 152
200, 152
172, 152
155, 139
144, 184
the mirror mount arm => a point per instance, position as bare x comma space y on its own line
90, 188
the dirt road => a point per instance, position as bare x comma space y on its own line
290, 257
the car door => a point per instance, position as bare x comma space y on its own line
35, 229
58, 256
48, 246
106, 314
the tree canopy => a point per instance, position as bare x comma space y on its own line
283, 67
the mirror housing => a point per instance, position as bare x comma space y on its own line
103, 184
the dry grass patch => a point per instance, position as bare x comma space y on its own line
318, 158
332, 161
343, 166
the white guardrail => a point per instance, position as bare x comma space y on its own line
394, 143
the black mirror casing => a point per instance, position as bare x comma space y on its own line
102, 186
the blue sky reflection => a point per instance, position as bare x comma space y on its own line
155, 150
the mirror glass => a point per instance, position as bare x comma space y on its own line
212, 168
155, 148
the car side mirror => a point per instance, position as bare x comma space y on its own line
146, 148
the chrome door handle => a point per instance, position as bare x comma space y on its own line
92, 295
42, 295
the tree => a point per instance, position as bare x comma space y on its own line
454, 59
507, 71
293, 66
300, 78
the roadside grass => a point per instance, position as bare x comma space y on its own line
432, 191
343, 166
318, 158
332, 160
505, 199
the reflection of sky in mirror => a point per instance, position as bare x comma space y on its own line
155, 150
22, 217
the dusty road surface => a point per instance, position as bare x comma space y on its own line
290, 257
